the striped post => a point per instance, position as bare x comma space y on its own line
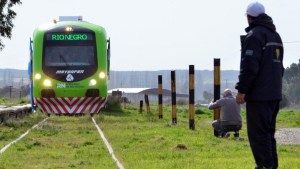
147, 102
192, 96
141, 106
173, 90
217, 86
160, 98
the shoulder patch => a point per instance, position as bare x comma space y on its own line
248, 52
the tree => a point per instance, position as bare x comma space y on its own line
292, 73
291, 83
208, 96
6, 17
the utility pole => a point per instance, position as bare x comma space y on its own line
10, 89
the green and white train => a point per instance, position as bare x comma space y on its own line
69, 67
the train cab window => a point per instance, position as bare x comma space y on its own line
58, 56
74, 51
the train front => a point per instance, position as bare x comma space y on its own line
69, 66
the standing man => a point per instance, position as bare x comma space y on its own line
260, 84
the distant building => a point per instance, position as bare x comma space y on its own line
137, 94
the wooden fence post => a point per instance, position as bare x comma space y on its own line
173, 90
160, 98
141, 106
192, 97
147, 102
217, 86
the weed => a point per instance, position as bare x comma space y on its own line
37, 143
87, 143
199, 111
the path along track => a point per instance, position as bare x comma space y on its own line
75, 127
13, 112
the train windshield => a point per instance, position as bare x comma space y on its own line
65, 49
61, 56
69, 49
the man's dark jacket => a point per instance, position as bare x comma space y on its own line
261, 68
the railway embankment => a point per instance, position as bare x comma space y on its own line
13, 112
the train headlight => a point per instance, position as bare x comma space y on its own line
47, 83
38, 76
69, 29
93, 82
102, 75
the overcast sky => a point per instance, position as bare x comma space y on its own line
158, 34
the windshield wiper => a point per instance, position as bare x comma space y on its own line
63, 59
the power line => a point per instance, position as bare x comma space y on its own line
292, 42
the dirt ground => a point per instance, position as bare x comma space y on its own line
288, 136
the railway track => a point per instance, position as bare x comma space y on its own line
21, 137
67, 136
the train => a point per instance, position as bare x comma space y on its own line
69, 67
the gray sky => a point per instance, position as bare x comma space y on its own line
159, 34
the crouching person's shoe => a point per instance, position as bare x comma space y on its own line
225, 134
236, 134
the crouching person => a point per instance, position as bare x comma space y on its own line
231, 119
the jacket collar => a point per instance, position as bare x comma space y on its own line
262, 20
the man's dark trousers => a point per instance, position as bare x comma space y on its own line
261, 124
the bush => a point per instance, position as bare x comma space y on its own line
113, 103
199, 111
22, 101
181, 102
3, 100
284, 102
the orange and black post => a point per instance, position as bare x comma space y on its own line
147, 102
192, 96
217, 87
160, 98
173, 90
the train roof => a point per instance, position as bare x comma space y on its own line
70, 18
69, 21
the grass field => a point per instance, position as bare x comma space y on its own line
139, 140
60, 142
143, 140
